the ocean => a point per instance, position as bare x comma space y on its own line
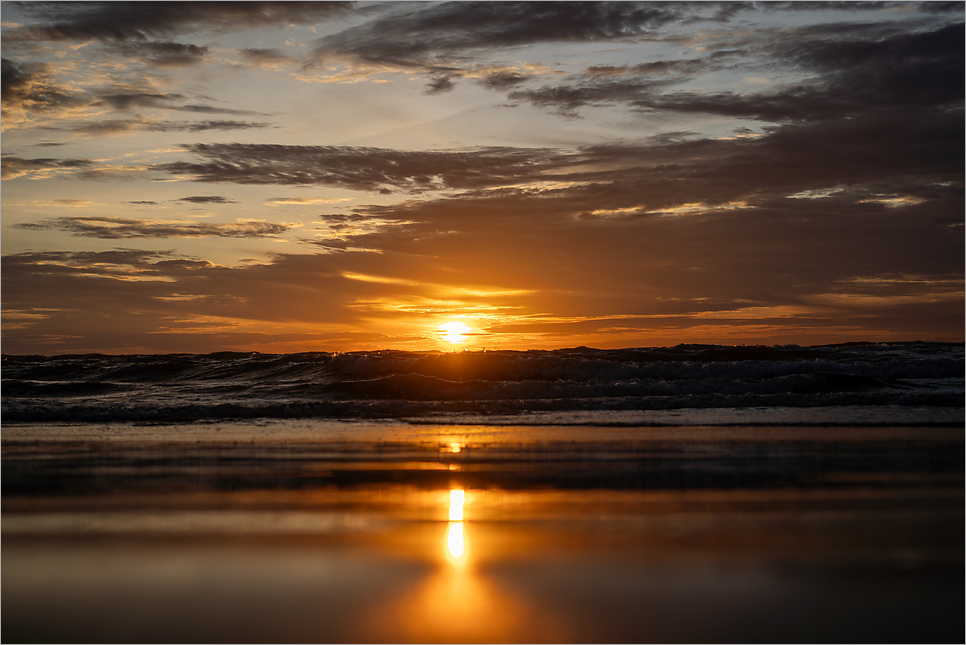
680, 494
851, 384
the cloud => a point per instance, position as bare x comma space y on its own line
439, 85
124, 99
860, 74
443, 38
683, 67
567, 99
211, 109
265, 57
840, 214
128, 100
28, 88
367, 169
166, 299
305, 201
883, 148
114, 22
437, 38
108, 127
208, 199
754, 274
163, 53
918, 69
202, 126
14, 167
115, 228
503, 80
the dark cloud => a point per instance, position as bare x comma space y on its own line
13, 167
440, 38
208, 199
846, 5
143, 21
940, 7
918, 69
503, 80
855, 77
27, 88
211, 109
434, 38
201, 126
118, 126
129, 100
144, 203
369, 169
125, 100
685, 67
439, 85
566, 100
265, 56
163, 53
116, 228
881, 150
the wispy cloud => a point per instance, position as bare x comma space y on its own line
306, 201
437, 38
163, 53
366, 169
115, 228
863, 74
28, 88
14, 167
113, 22
208, 199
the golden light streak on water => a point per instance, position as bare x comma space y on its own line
456, 499
454, 541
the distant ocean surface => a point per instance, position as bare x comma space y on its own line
908, 383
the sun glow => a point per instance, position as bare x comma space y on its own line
454, 332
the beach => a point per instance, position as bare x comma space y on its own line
392, 531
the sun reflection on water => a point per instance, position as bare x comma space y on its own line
454, 540
456, 499
458, 602
455, 544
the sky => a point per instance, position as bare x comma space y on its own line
287, 177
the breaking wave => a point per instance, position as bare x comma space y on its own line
397, 384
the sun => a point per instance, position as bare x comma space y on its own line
454, 332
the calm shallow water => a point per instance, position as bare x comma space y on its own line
314, 530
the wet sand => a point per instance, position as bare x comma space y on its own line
351, 532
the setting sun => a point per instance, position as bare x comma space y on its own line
455, 331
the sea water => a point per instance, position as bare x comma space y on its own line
858, 383
693, 493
